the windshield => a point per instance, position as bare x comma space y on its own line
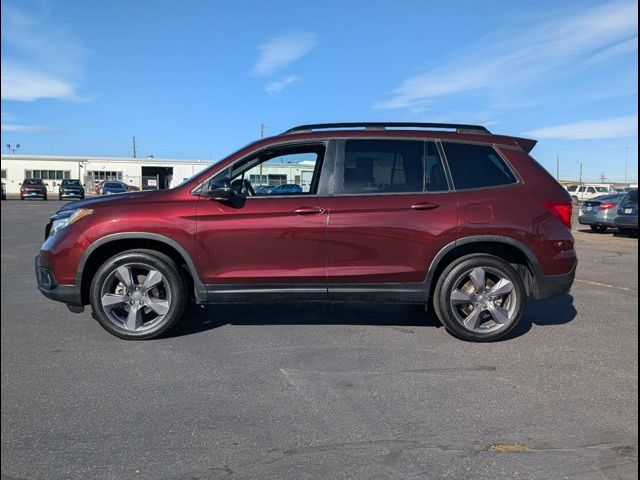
602, 189
68, 183
33, 181
113, 185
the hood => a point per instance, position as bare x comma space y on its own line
107, 201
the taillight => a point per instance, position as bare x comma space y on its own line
562, 210
607, 206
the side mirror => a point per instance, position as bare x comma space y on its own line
219, 189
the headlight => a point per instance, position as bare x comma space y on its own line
65, 218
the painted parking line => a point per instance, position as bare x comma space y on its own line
606, 285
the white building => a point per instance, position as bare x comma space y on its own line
145, 173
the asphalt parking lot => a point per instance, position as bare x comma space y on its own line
321, 391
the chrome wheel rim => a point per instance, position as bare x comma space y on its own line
135, 297
484, 300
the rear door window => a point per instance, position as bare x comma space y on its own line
393, 166
476, 166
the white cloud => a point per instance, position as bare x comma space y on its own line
6, 127
528, 57
40, 59
278, 85
282, 51
590, 129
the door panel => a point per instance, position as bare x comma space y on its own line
388, 238
265, 241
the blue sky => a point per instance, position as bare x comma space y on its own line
195, 79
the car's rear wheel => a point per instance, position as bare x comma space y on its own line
598, 228
480, 298
138, 294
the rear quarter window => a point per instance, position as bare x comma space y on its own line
477, 166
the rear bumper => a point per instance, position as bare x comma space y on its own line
629, 222
548, 286
594, 220
69, 294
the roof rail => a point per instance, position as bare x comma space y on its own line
458, 127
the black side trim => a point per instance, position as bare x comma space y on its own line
531, 258
283, 292
347, 292
200, 290
69, 294
549, 286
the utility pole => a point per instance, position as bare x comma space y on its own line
262, 130
626, 164
134, 147
558, 168
580, 172
603, 177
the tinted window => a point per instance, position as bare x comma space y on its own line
31, 181
75, 183
383, 166
436, 178
476, 166
632, 196
572, 188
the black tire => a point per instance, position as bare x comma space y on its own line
60, 197
598, 229
454, 273
44, 199
161, 263
21, 198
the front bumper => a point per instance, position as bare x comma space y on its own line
548, 286
71, 194
69, 294
33, 194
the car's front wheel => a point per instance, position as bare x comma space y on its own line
138, 294
480, 298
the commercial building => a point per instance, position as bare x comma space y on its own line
143, 173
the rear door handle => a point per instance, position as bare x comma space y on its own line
308, 211
424, 206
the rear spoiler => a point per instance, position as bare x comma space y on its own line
525, 143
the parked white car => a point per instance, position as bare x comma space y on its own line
581, 193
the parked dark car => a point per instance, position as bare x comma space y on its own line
110, 188
71, 188
600, 213
33, 188
627, 219
446, 216
286, 189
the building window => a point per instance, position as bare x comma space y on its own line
48, 174
104, 175
3, 174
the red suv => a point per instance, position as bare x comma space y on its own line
442, 214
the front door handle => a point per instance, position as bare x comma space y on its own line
424, 206
308, 211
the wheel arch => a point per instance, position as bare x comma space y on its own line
513, 251
110, 245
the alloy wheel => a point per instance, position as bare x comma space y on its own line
136, 297
484, 300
